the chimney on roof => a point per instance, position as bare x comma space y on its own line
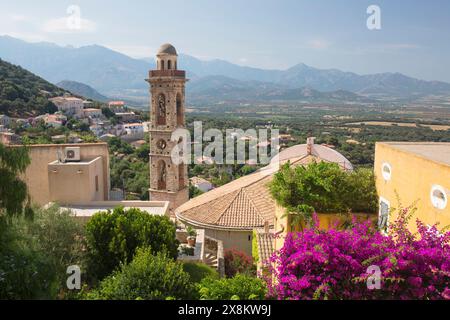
309, 144
266, 226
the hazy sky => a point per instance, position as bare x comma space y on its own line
414, 38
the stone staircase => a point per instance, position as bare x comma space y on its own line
211, 259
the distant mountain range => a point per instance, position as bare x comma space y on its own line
82, 89
116, 75
210, 88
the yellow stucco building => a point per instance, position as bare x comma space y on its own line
413, 173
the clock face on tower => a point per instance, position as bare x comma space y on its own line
161, 144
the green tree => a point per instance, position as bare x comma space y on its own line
325, 188
59, 236
34, 253
148, 277
26, 272
113, 237
13, 191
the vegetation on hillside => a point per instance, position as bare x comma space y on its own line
24, 94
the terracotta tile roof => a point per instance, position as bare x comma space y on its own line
242, 204
265, 241
233, 205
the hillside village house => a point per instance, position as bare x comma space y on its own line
9, 138
201, 184
53, 120
70, 106
413, 173
126, 116
117, 106
92, 114
5, 120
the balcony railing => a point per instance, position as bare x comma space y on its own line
167, 73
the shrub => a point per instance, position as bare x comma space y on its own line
323, 187
199, 271
240, 287
59, 236
334, 264
148, 277
255, 254
25, 271
112, 238
13, 191
34, 254
238, 262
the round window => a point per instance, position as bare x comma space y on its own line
386, 171
438, 197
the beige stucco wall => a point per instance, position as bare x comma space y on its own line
412, 179
239, 240
76, 182
36, 175
175, 199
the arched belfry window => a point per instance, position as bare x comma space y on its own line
161, 110
162, 175
179, 110
162, 64
169, 64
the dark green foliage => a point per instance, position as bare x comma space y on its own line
59, 235
113, 237
25, 271
240, 287
23, 93
199, 271
129, 168
148, 277
324, 188
116, 144
194, 191
34, 254
13, 191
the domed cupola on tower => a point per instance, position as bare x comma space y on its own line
166, 58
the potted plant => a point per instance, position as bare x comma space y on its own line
192, 235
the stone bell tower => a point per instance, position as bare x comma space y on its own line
168, 181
